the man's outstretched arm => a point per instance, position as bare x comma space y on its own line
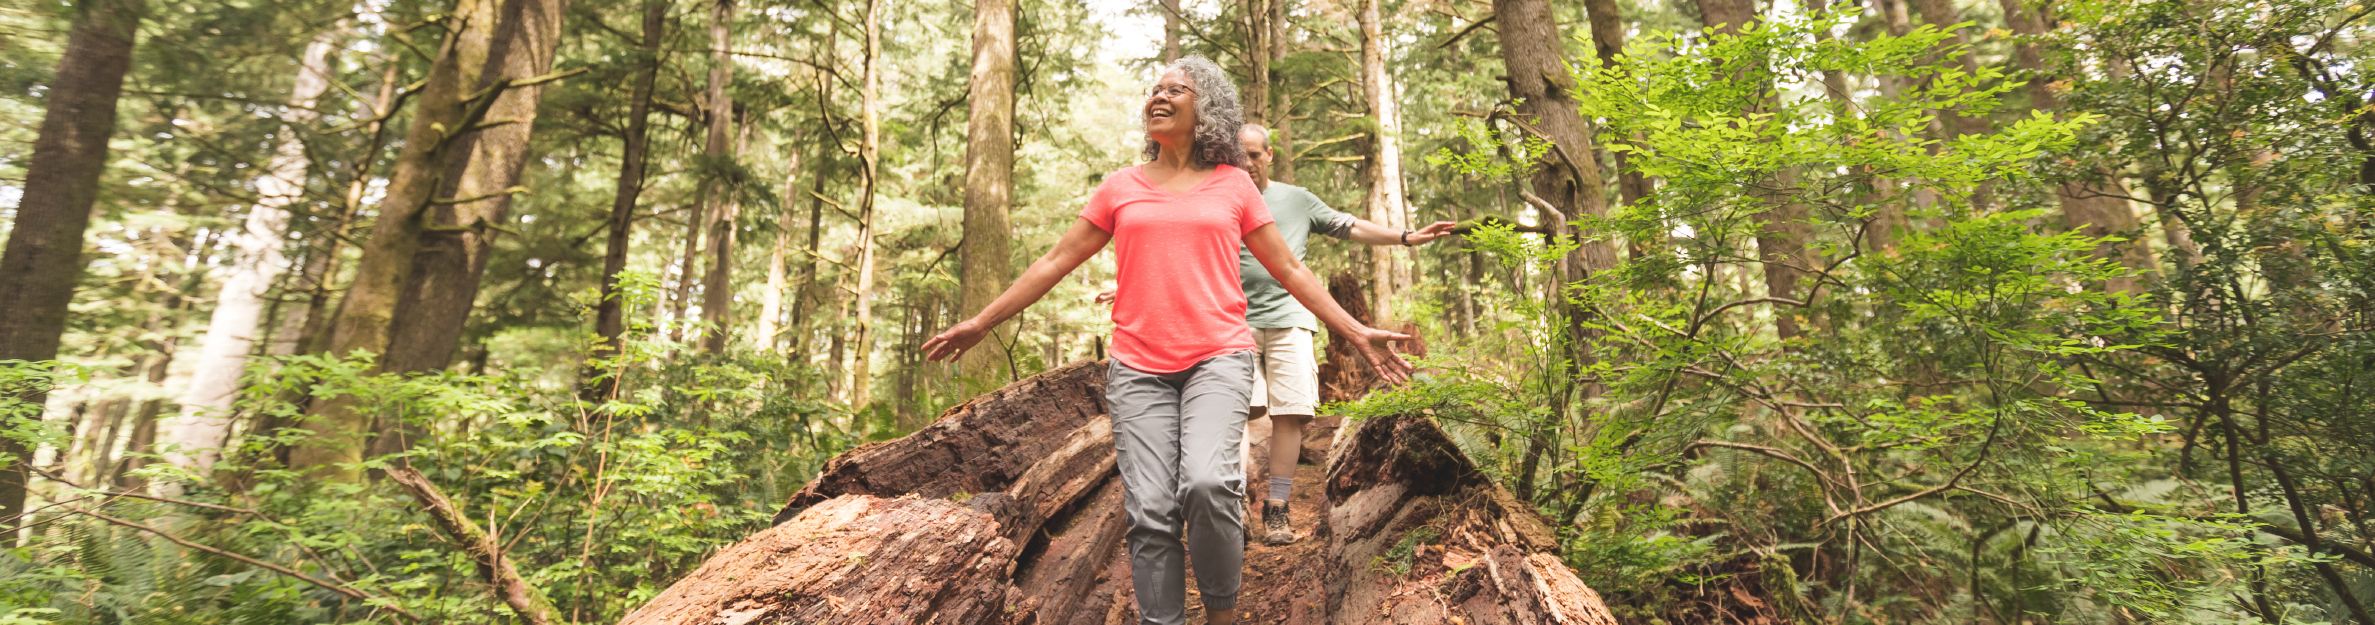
1366, 233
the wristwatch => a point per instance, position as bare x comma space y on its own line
1406, 238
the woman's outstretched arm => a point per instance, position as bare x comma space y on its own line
1271, 249
1078, 244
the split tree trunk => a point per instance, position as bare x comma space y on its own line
1387, 272
717, 289
610, 316
384, 269
985, 256
481, 177
43, 259
861, 373
195, 439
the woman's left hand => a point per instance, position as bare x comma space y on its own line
1376, 346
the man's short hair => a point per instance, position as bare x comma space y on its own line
1257, 128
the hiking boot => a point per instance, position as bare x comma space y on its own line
1274, 524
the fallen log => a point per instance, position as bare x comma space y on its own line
1007, 510
852, 559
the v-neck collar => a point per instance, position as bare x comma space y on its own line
1140, 172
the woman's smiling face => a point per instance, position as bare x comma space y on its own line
1171, 108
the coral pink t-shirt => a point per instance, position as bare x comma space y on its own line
1178, 301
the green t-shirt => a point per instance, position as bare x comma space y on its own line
1299, 214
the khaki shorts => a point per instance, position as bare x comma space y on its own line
1287, 373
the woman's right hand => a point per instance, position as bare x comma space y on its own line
947, 346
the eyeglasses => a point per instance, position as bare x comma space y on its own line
1169, 91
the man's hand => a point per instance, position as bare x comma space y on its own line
1376, 346
947, 346
1107, 296
1429, 234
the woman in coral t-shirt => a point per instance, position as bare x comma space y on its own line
1182, 365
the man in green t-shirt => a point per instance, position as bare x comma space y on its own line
1287, 384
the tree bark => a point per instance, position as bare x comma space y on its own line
861, 373
384, 269
855, 559
43, 259
1385, 199
195, 439
610, 316
986, 255
717, 290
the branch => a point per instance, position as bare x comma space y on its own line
1775, 454
1455, 37
524, 599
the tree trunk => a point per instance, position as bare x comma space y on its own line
384, 270
1781, 240
610, 316
1385, 199
771, 302
717, 289
986, 254
1171, 28
861, 373
2096, 206
195, 439
484, 173
807, 299
43, 259
1257, 56
1282, 112
1608, 43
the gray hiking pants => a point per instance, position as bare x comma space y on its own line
1175, 439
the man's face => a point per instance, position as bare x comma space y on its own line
1257, 154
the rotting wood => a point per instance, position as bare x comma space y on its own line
979, 446
1416, 534
853, 559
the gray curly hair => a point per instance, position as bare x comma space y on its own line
1218, 115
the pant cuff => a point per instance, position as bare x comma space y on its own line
1220, 603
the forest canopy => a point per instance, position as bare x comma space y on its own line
1778, 311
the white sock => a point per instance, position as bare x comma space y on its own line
1281, 487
